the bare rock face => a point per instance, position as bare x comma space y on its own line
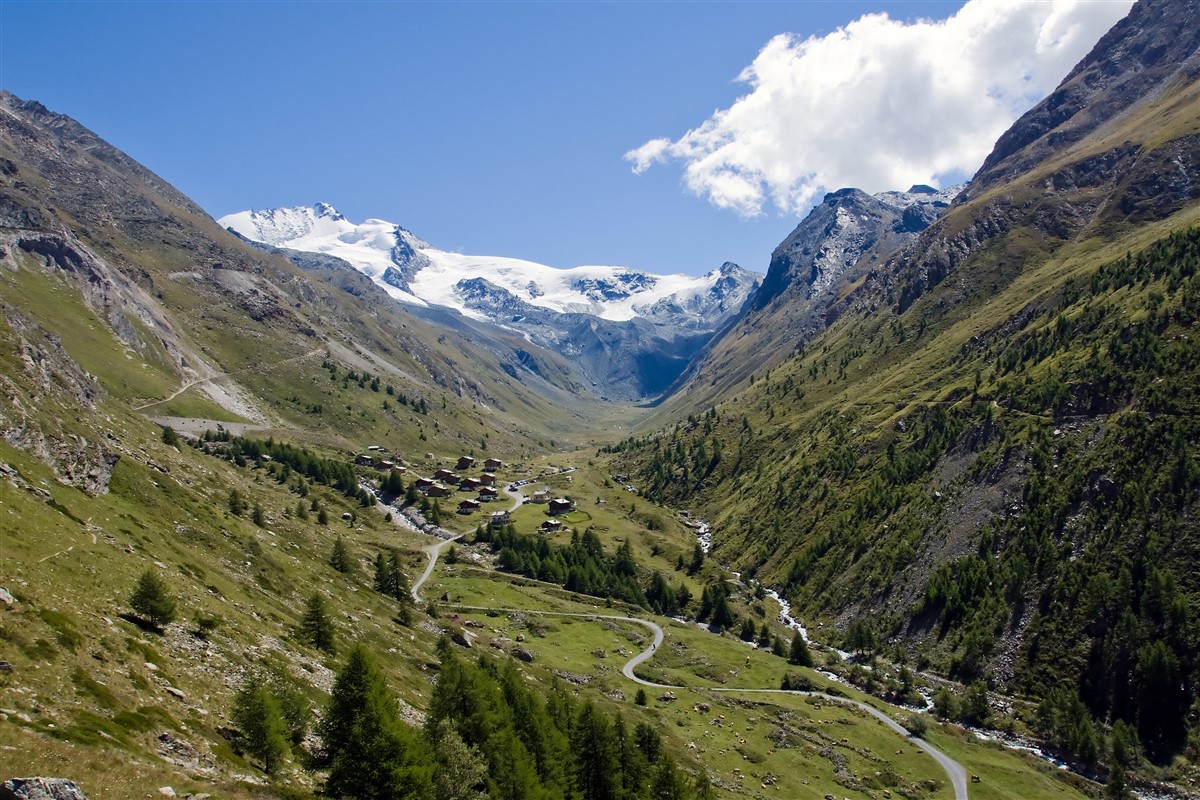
848, 227
1158, 44
51, 381
1059, 173
40, 789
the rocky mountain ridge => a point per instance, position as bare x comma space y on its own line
630, 333
987, 448
847, 234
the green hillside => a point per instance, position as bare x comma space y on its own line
988, 456
972, 474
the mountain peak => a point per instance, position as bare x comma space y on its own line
539, 302
327, 210
846, 226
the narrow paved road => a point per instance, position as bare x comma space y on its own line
954, 770
633, 663
432, 551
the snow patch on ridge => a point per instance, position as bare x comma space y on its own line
433, 276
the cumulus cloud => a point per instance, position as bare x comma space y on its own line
880, 104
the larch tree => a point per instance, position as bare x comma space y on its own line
260, 720
316, 627
339, 558
799, 653
372, 754
152, 601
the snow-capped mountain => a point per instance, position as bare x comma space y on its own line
415, 272
630, 332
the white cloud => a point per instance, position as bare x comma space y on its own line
881, 104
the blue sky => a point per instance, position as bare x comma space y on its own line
515, 128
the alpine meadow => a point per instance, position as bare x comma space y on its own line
295, 506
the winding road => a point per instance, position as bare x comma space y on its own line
954, 770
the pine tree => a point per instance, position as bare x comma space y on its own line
151, 601
259, 718
293, 704
624, 562
975, 708
799, 653
316, 627
259, 517
391, 581
339, 559
777, 648
945, 704
383, 575
722, 614
546, 743
461, 770
237, 505
861, 638
669, 783
649, 741
597, 767
634, 764
1124, 750
399, 588
764, 635
697, 562
372, 755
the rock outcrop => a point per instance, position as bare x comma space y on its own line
40, 789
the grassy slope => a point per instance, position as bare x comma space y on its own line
82, 672
903, 445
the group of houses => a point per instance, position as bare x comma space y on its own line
557, 506
445, 482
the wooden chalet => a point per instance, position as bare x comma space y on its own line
446, 476
560, 505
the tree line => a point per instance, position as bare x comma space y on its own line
487, 734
